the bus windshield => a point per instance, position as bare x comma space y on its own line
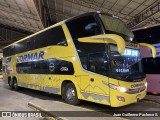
114, 25
127, 66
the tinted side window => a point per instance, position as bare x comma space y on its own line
93, 57
84, 61
40, 67
30, 44
6, 52
50, 66
83, 27
36, 67
20, 47
87, 48
98, 63
64, 67
40, 40
12, 50
55, 36
23, 68
9, 51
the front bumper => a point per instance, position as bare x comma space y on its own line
126, 97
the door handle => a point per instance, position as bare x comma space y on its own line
92, 80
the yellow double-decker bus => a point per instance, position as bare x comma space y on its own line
89, 57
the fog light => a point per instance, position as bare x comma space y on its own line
121, 98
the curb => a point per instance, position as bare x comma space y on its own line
151, 101
49, 115
52, 116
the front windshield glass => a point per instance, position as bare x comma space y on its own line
115, 25
127, 66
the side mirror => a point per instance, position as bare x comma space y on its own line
106, 38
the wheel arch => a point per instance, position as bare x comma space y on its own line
65, 82
14, 78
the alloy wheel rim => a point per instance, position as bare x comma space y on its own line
70, 93
15, 85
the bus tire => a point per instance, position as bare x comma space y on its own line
10, 83
15, 85
70, 94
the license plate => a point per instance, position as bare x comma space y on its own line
138, 96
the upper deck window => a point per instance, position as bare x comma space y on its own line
83, 27
115, 25
50, 37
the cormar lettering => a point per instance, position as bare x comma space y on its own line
131, 45
137, 85
31, 57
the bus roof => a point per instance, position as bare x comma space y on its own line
88, 13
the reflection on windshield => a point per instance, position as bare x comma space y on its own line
127, 65
115, 25
98, 63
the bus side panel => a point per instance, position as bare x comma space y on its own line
146, 52
152, 72
153, 81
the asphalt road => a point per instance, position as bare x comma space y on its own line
18, 101
15, 101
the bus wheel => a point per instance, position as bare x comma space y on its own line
70, 94
10, 82
15, 85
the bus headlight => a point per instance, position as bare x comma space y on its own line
121, 89
146, 84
